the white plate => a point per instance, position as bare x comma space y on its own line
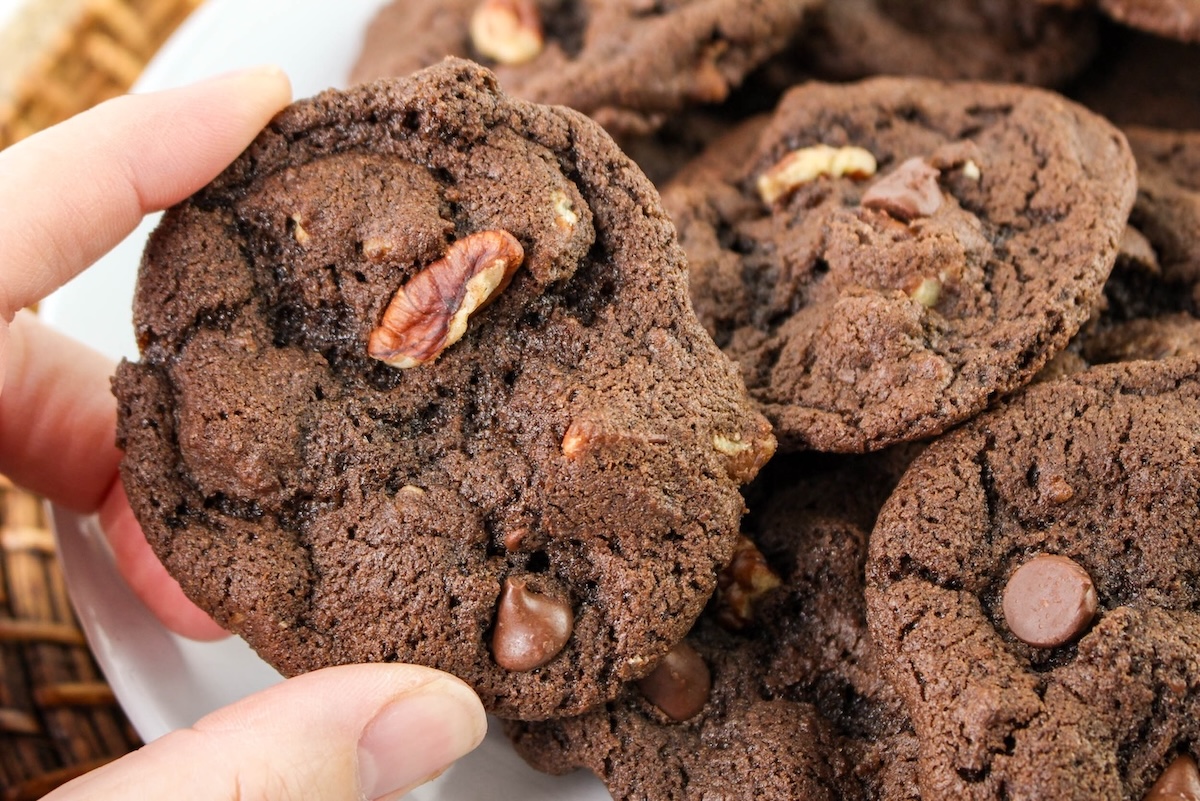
165, 682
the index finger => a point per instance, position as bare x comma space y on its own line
74, 191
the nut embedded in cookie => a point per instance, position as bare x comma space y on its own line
430, 312
507, 31
809, 163
745, 580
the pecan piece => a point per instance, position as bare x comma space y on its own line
745, 580
507, 31
430, 312
808, 164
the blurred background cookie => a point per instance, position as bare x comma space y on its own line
884, 259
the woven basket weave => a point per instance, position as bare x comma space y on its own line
58, 717
63, 56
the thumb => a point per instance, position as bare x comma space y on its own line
352, 732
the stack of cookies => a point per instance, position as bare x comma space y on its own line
793, 399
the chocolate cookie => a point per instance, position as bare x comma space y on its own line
1173, 19
342, 463
1167, 210
884, 259
782, 700
1152, 299
995, 40
1161, 337
627, 63
1031, 588
1142, 80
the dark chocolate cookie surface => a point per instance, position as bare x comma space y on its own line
1172, 19
886, 258
1151, 304
993, 40
469, 508
1031, 589
1142, 79
627, 63
789, 706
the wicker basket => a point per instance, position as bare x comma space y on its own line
63, 56
58, 717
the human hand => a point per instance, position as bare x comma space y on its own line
69, 194
351, 732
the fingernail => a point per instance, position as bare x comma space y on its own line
416, 737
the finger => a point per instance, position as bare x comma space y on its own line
339, 734
57, 438
147, 577
57, 416
72, 192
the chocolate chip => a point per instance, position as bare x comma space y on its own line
1179, 782
908, 192
531, 628
1049, 601
680, 685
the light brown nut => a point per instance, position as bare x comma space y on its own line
298, 230
809, 163
430, 312
594, 430
564, 211
745, 580
586, 433
744, 458
507, 31
927, 292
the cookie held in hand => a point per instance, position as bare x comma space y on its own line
420, 382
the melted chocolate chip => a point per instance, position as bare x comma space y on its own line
1049, 601
680, 685
531, 628
1179, 782
908, 192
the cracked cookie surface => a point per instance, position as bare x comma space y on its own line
982, 40
884, 259
331, 508
1151, 304
627, 63
1101, 469
797, 706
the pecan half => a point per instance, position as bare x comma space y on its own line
430, 312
